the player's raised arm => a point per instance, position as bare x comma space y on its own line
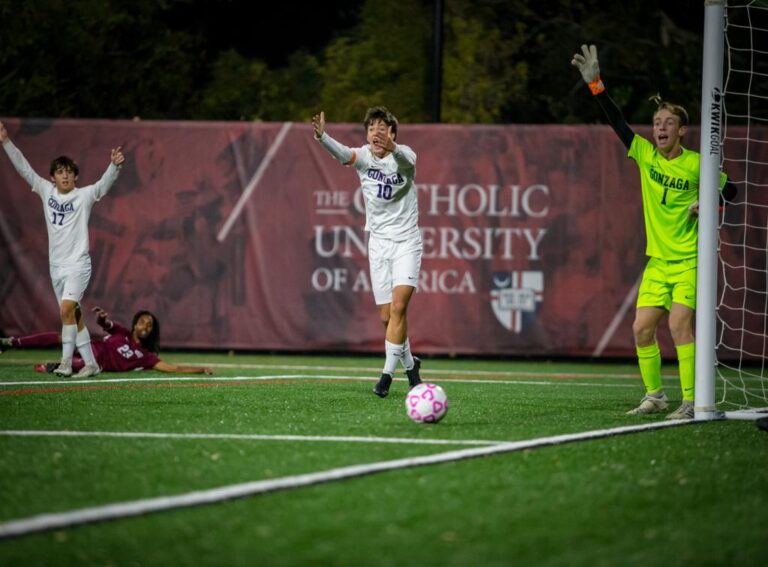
589, 67
318, 123
117, 157
168, 367
103, 185
404, 156
18, 160
102, 318
339, 151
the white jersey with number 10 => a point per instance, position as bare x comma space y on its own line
391, 203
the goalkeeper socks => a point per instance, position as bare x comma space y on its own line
394, 353
407, 359
649, 360
68, 337
83, 343
686, 359
38, 340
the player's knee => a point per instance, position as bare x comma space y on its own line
643, 333
681, 332
398, 309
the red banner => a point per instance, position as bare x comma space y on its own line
250, 236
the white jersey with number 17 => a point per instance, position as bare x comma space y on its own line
66, 215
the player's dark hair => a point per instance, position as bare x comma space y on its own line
152, 342
676, 109
381, 113
66, 163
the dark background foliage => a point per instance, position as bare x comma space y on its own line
504, 61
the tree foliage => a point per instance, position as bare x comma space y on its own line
503, 61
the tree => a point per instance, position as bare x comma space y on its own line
93, 58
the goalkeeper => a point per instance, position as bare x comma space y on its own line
669, 178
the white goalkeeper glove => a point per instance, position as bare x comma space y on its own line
588, 66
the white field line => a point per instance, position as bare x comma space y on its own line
61, 520
243, 437
432, 371
214, 379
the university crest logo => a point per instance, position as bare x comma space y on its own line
515, 297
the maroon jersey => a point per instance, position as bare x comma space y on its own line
118, 352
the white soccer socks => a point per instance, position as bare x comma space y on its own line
407, 359
83, 343
394, 354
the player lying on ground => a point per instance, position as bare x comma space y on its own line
669, 179
121, 350
67, 209
386, 170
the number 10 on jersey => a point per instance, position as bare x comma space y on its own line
385, 191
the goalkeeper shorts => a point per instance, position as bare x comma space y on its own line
667, 282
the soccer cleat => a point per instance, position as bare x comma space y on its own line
685, 411
413, 374
88, 370
381, 388
64, 369
651, 403
5, 344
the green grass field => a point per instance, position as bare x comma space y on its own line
691, 493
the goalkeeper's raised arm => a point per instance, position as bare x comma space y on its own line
587, 64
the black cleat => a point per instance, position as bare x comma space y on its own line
381, 388
413, 374
46, 367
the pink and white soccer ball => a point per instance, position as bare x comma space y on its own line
426, 403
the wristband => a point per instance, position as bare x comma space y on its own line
596, 86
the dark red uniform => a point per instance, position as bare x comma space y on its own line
118, 352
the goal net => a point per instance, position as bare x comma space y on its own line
741, 337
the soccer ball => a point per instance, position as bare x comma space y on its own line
426, 403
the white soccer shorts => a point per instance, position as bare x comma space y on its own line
70, 282
392, 264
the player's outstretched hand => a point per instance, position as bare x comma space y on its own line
587, 63
117, 156
102, 317
693, 210
3, 134
208, 370
318, 123
384, 140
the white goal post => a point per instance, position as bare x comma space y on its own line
709, 177
748, 375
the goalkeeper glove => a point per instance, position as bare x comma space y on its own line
588, 66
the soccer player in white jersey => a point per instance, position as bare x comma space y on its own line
387, 170
67, 209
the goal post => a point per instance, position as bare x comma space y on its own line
732, 313
709, 177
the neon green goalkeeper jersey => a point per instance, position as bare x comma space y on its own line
669, 188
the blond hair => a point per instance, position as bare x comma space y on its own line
676, 109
